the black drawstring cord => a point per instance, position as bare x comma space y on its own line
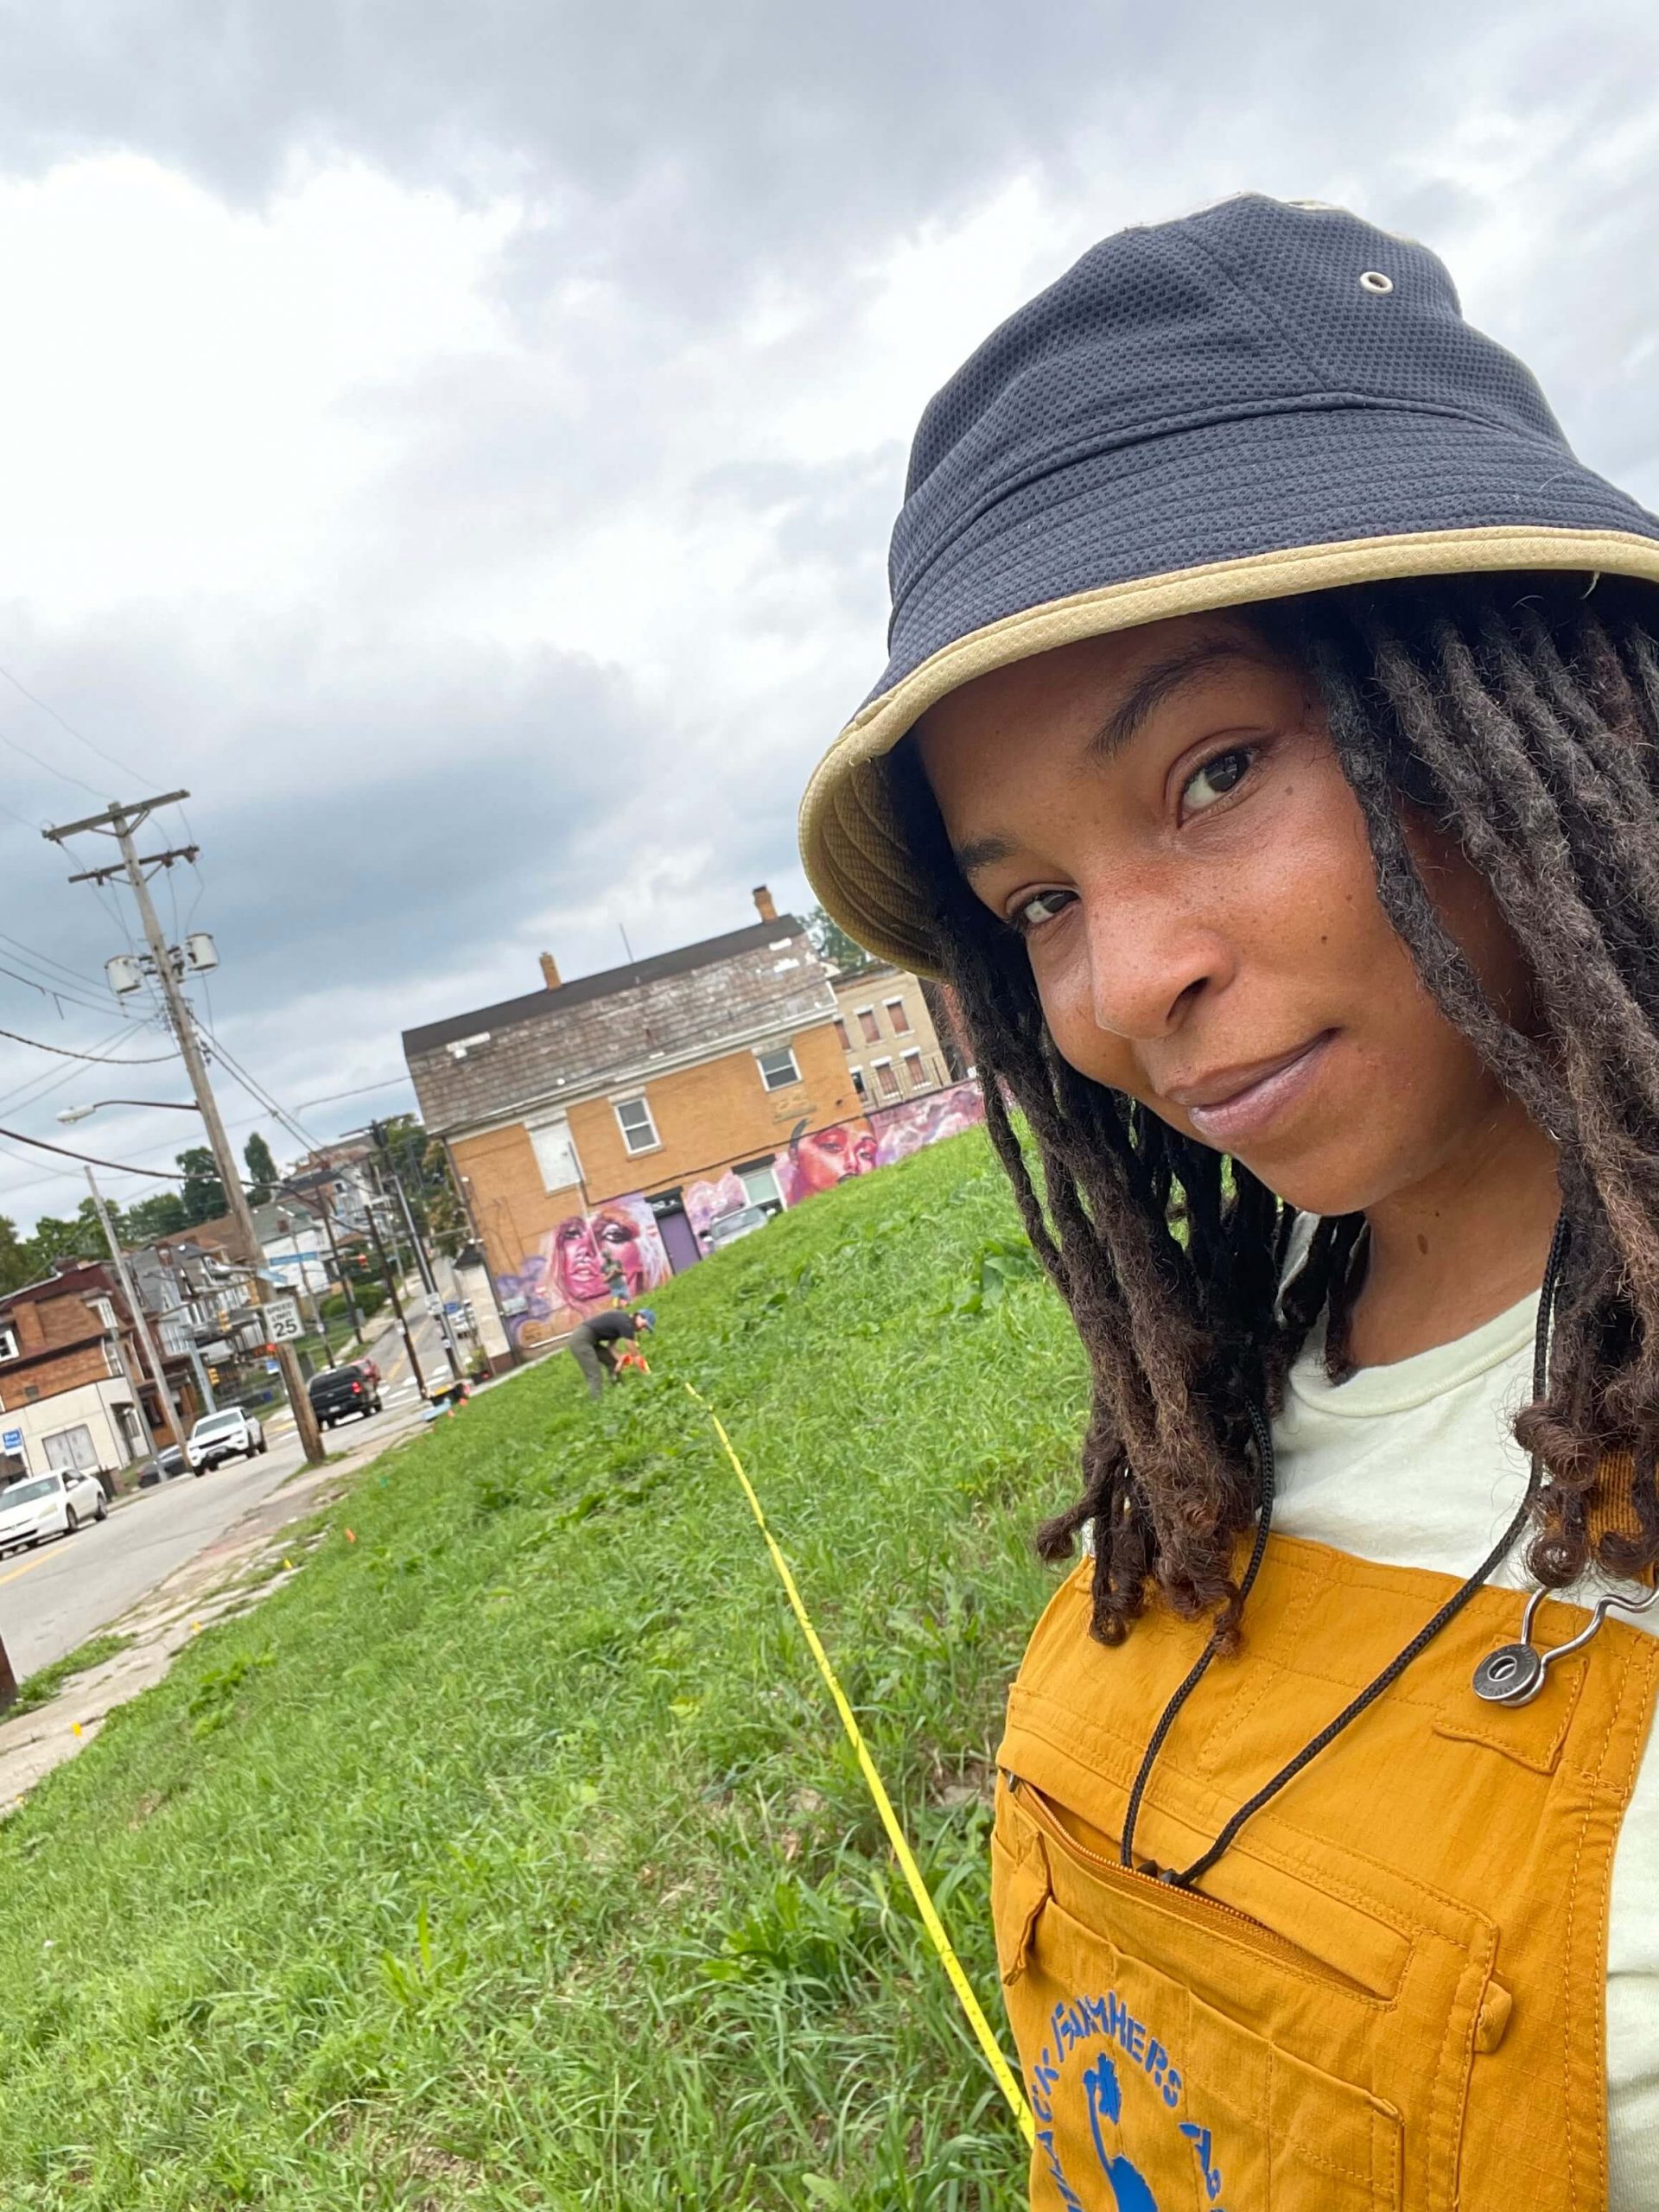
1396, 1667
1201, 1665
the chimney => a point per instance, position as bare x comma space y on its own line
762, 904
550, 975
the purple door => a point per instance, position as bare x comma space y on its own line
680, 1240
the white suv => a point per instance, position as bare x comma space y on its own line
223, 1436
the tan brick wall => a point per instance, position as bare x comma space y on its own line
875, 991
708, 1118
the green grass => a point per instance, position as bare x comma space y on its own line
44, 1685
511, 1855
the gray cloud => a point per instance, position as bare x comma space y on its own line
396, 804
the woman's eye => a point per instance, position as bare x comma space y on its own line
1042, 907
1216, 778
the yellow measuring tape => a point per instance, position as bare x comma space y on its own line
1006, 2079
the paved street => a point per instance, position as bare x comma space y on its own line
53, 1599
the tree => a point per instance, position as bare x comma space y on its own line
446, 1216
55, 1240
834, 947
202, 1194
15, 1263
262, 1169
153, 1219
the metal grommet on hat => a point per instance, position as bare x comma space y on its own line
1200, 415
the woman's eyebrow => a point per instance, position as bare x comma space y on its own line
983, 853
1160, 682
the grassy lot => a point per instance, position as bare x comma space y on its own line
511, 1855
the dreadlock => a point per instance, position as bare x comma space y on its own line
1521, 715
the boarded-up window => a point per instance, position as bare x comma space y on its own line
898, 1015
869, 1025
70, 1448
555, 1154
886, 1078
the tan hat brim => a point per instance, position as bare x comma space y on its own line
854, 855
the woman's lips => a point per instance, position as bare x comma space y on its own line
1258, 1102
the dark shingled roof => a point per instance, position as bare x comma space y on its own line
535, 1004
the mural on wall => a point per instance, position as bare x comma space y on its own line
818, 1160
900, 1130
579, 1266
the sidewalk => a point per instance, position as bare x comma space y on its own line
229, 1576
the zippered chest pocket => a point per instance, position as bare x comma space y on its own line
1178, 2053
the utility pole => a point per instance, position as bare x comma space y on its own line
122, 823
423, 1257
140, 1319
397, 1303
325, 1206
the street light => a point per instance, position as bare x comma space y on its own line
173, 1105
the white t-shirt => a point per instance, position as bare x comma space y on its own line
1415, 1464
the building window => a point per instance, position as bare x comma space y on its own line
915, 1073
112, 1359
899, 1017
638, 1131
858, 1084
868, 1024
760, 1184
886, 1078
779, 1070
555, 1154
8, 1341
105, 1313
841, 1032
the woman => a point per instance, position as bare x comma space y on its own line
1267, 760
819, 1159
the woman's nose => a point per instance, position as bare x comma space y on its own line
1150, 959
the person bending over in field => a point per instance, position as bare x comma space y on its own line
594, 1343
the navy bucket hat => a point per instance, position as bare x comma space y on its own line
1262, 399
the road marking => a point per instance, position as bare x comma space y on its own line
27, 1567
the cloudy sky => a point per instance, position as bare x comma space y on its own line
458, 442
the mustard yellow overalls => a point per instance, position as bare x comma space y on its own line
1391, 1988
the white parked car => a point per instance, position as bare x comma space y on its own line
224, 1435
49, 1505
725, 1228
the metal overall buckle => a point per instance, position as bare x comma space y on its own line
1514, 1674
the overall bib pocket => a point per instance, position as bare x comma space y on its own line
1168, 2040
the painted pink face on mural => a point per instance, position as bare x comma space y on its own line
832, 1156
576, 1268
616, 1236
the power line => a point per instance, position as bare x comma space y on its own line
48, 961
100, 1059
89, 1158
362, 1091
51, 767
126, 767
59, 993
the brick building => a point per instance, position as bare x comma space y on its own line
894, 1048
596, 1126
74, 1390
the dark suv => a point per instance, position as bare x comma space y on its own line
339, 1392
